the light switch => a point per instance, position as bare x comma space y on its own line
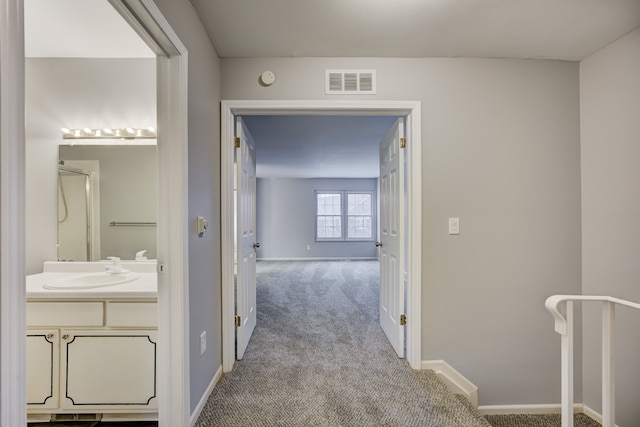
201, 226
454, 225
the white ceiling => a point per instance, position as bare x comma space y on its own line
554, 29
79, 29
318, 146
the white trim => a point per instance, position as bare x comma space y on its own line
412, 111
457, 383
173, 231
551, 408
13, 406
537, 409
173, 224
321, 259
203, 401
591, 413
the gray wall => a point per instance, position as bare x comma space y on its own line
74, 93
285, 222
610, 110
128, 193
204, 193
501, 152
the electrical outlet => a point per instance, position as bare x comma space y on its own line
308, 247
203, 342
454, 225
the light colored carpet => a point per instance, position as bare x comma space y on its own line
319, 358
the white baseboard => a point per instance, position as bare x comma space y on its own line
578, 408
198, 410
550, 408
593, 414
456, 382
320, 259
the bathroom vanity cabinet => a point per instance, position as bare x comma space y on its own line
92, 356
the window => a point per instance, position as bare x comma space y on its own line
329, 216
336, 208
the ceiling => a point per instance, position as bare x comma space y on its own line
552, 29
79, 29
325, 146
318, 146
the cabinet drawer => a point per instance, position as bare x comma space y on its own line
65, 314
132, 314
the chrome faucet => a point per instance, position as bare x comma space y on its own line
115, 267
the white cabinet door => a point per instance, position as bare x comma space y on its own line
108, 369
43, 350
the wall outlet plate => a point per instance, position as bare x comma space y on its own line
454, 225
203, 342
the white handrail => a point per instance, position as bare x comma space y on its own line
564, 326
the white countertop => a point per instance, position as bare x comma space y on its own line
146, 286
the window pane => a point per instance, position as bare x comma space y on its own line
359, 204
329, 203
329, 227
359, 216
359, 227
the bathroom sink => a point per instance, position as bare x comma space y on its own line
90, 281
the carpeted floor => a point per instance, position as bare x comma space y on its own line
319, 358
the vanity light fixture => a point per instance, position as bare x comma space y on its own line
108, 133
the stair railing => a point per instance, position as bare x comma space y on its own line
564, 326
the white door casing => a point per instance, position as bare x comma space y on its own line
392, 236
246, 238
173, 290
13, 408
144, 16
411, 111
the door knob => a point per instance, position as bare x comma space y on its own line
256, 245
378, 244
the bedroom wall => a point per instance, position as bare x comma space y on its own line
286, 219
610, 108
501, 151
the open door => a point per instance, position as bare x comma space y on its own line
246, 237
392, 236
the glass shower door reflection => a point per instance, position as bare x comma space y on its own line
74, 214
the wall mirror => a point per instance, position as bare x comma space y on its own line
107, 201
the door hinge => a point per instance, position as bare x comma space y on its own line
403, 142
238, 321
403, 320
236, 142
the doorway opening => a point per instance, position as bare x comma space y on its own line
173, 369
409, 110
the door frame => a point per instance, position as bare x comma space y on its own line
173, 281
411, 110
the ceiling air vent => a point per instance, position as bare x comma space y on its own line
350, 82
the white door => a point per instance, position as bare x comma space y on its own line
246, 238
392, 236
